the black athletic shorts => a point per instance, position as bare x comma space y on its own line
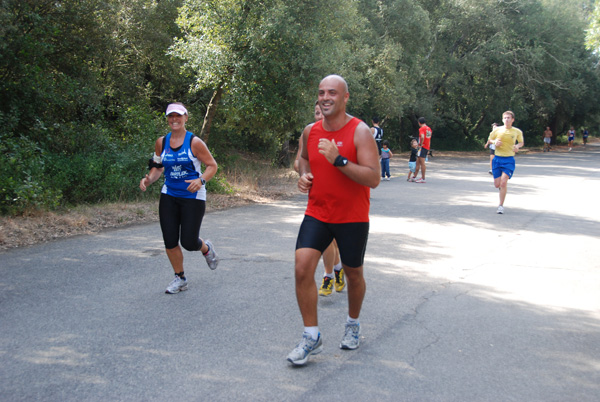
181, 216
423, 153
351, 238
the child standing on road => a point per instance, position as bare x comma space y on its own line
386, 154
412, 160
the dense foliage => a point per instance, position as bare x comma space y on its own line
85, 82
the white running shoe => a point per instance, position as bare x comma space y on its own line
177, 285
211, 258
307, 346
350, 340
500, 209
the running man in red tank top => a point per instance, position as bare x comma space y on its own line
338, 166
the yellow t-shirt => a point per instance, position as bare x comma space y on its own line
509, 137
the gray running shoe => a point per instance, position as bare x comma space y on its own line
307, 346
350, 340
177, 285
211, 258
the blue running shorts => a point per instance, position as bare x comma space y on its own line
503, 164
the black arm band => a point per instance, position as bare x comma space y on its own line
152, 164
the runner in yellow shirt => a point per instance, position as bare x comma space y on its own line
508, 141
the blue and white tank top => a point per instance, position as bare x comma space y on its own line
378, 135
181, 165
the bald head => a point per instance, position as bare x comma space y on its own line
336, 81
333, 96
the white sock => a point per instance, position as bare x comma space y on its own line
351, 320
338, 266
330, 276
313, 331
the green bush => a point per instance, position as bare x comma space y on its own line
23, 183
562, 139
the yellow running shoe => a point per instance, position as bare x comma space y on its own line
326, 286
339, 280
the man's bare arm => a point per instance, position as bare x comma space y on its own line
306, 177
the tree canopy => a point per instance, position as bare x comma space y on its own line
85, 83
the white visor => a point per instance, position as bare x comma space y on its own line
176, 108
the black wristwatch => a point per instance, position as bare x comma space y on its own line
202, 181
340, 161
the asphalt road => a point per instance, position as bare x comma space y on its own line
462, 304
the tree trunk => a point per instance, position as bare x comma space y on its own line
473, 130
210, 112
284, 154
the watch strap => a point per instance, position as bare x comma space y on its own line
340, 161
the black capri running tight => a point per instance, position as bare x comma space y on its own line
181, 215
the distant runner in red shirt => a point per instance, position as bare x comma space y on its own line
424, 141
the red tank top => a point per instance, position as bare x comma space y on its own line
426, 132
333, 197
